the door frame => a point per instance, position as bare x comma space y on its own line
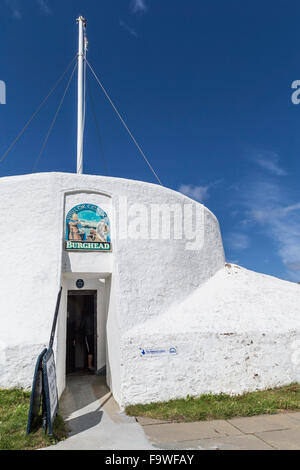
94, 293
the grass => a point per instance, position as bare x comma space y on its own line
207, 407
14, 408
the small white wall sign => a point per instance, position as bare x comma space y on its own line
158, 352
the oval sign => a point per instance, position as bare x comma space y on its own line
80, 284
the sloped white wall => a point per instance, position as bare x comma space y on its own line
238, 332
147, 275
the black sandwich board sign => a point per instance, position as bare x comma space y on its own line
50, 388
44, 388
37, 399
44, 393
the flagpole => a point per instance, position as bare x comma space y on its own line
80, 119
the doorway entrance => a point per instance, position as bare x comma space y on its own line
81, 332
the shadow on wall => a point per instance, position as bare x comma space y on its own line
66, 263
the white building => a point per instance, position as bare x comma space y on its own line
171, 319
146, 292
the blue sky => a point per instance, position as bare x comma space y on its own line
205, 87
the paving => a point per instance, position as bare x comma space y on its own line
95, 422
266, 432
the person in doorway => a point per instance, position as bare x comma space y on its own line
88, 327
79, 342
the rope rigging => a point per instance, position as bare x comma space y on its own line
123, 122
54, 120
86, 62
37, 111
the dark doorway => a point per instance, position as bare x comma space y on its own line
82, 331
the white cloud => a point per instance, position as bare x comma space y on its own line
44, 7
238, 240
17, 11
269, 161
138, 6
15, 8
199, 193
127, 28
267, 205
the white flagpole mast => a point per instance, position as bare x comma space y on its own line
80, 122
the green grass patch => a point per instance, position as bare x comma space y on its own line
14, 409
207, 407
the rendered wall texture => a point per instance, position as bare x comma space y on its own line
148, 275
233, 330
238, 332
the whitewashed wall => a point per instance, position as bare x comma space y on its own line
238, 332
148, 276
233, 330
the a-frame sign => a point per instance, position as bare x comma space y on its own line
44, 388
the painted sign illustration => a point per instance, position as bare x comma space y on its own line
87, 229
